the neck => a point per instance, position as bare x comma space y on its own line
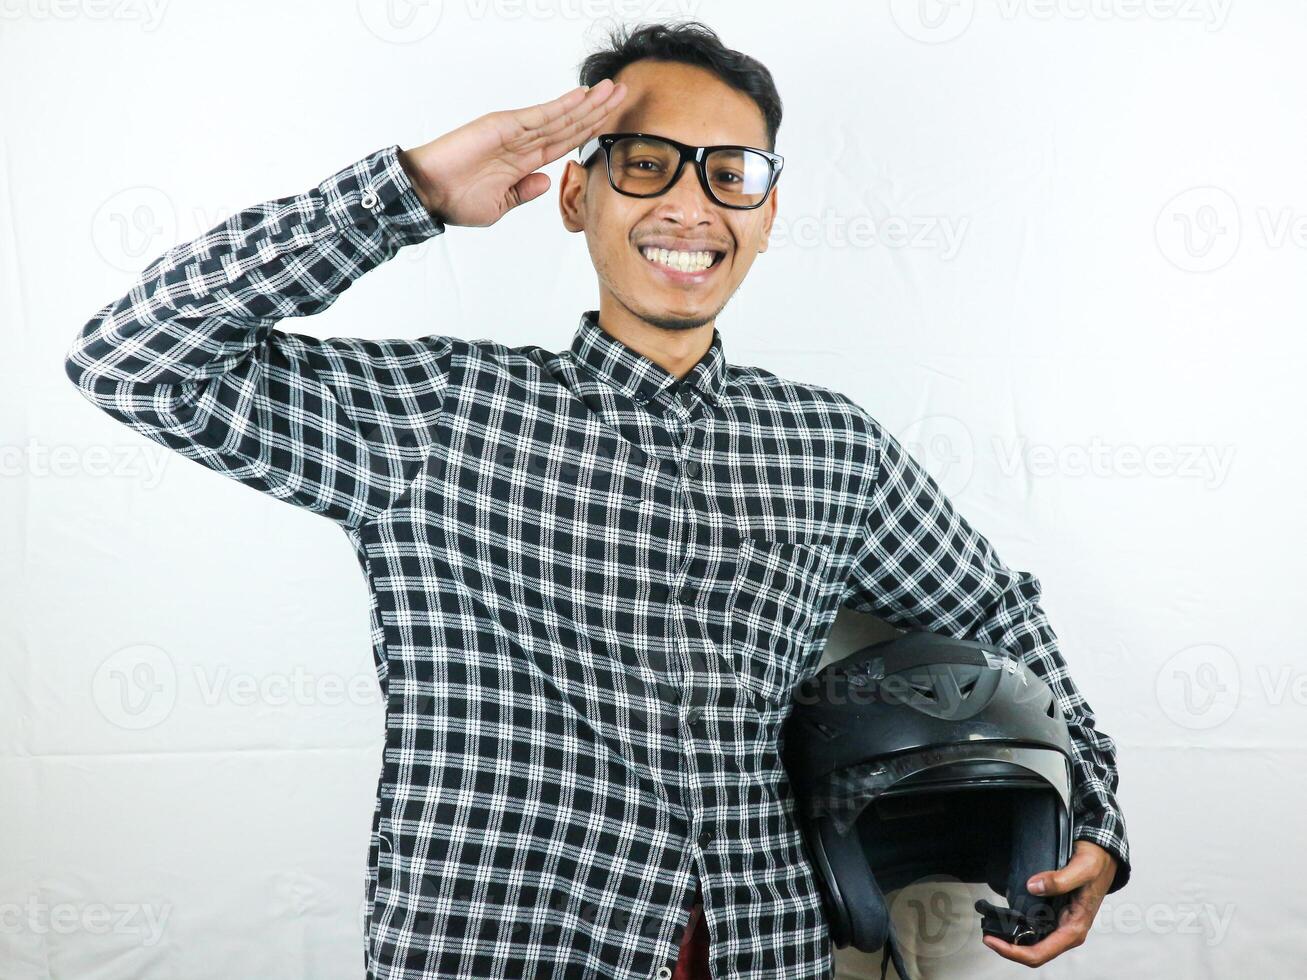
675, 345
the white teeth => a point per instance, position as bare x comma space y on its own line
684, 261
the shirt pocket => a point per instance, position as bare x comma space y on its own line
773, 606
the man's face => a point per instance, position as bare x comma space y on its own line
689, 104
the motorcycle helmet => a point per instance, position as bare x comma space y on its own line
926, 755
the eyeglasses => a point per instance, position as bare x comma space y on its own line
642, 165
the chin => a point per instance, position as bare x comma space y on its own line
671, 319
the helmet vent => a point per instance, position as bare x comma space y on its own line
927, 691
966, 687
1052, 710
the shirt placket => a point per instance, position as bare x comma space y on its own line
688, 571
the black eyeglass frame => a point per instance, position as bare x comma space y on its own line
694, 154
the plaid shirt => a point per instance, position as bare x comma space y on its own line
593, 587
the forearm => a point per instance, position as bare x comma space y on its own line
202, 306
190, 357
922, 564
1017, 622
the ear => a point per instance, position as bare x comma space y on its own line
769, 210
571, 196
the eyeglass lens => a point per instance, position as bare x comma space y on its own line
738, 178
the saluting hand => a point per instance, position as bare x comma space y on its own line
476, 174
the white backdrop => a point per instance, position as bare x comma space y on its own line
1057, 246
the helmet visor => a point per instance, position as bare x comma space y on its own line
844, 794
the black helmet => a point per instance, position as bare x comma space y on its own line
967, 760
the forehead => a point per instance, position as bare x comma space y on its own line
686, 103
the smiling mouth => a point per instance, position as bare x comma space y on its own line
682, 261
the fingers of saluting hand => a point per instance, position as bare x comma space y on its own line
569, 120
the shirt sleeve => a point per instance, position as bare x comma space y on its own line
189, 357
921, 564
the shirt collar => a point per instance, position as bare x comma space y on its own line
637, 376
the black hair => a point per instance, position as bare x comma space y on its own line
691, 43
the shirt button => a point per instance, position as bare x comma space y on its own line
664, 973
370, 198
693, 469
705, 839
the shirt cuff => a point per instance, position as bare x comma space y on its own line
1108, 832
375, 195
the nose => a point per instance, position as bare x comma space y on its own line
686, 197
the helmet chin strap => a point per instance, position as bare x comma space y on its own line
1008, 924
893, 952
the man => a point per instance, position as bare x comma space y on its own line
598, 574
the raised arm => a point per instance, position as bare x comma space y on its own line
190, 356
921, 564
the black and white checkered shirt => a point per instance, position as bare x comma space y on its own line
594, 588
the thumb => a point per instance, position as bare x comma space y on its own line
1059, 882
1088, 862
528, 188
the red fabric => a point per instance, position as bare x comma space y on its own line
692, 962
